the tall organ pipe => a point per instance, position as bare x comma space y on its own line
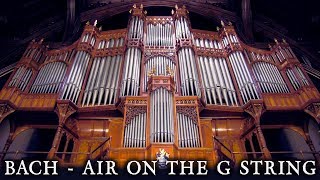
102, 81
247, 89
161, 115
217, 81
269, 78
131, 74
21, 78
74, 81
188, 73
55, 71
135, 131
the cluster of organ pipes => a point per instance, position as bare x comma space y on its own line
111, 43
136, 28
217, 82
101, 88
21, 78
188, 135
207, 43
49, 78
73, 84
159, 66
190, 85
131, 72
159, 35
302, 76
246, 86
269, 78
161, 116
135, 132
293, 79
182, 28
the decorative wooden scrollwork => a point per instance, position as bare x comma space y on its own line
314, 110
5, 110
132, 111
255, 108
189, 111
65, 109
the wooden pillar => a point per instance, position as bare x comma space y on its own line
6, 146
64, 110
255, 108
263, 143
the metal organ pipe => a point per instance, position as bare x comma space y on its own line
188, 75
49, 78
102, 81
73, 84
293, 79
217, 81
21, 78
247, 89
159, 35
269, 78
161, 116
188, 133
131, 76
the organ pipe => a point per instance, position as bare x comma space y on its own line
159, 35
245, 83
188, 73
21, 78
131, 74
293, 79
135, 132
217, 81
161, 116
269, 78
188, 132
101, 87
49, 78
72, 86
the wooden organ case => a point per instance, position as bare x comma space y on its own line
123, 94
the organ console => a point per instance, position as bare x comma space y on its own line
159, 84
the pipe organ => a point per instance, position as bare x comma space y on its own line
159, 84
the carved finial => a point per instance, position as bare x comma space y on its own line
230, 23
183, 7
41, 40
269, 45
130, 11
284, 41
134, 6
87, 23
152, 72
169, 71
276, 41
218, 28
100, 28
172, 11
222, 23
145, 12
176, 6
141, 6
95, 23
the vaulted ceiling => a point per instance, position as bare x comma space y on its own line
60, 21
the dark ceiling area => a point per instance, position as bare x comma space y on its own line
24, 20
